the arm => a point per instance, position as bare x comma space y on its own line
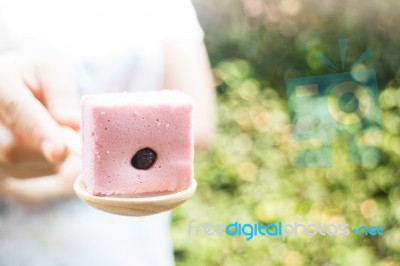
187, 68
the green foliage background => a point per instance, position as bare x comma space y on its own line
249, 173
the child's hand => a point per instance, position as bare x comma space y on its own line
36, 97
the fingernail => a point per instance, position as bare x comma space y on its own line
70, 118
72, 112
48, 150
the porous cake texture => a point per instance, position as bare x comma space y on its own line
137, 143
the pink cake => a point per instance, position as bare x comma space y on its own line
137, 144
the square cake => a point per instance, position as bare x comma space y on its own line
137, 143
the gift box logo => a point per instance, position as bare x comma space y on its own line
339, 104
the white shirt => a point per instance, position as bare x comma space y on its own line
112, 45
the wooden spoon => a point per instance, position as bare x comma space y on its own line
134, 206
123, 205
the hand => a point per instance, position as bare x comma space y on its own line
41, 190
37, 191
36, 97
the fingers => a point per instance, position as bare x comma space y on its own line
28, 170
60, 93
36, 97
19, 159
20, 110
41, 190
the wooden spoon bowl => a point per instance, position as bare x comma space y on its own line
134, 206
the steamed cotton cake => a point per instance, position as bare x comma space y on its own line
137, 143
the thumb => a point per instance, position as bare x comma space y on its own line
20, 110
60, 93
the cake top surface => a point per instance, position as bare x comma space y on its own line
169, 97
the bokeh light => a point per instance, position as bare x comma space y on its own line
250, 173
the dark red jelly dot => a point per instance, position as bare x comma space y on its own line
144, 159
